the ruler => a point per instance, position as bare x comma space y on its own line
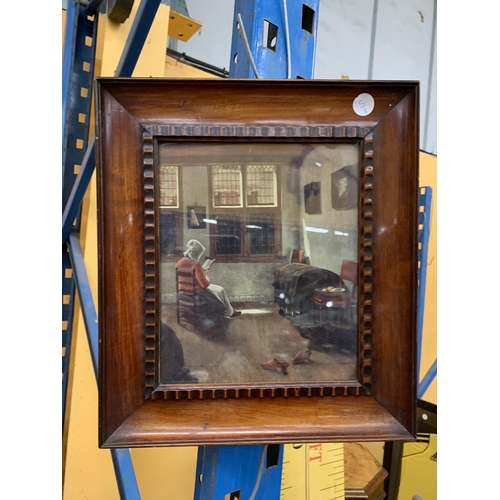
313, 471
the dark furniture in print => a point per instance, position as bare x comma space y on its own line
294, 284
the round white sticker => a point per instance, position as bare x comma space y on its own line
363, 104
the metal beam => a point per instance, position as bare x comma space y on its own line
274, 39
78, 191
130, 55
78, 73
141, 25
427, 380
424, 222
78, 63
125, 475
85, 294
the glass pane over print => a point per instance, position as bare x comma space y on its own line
269, 274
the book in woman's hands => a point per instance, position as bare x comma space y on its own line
208, 264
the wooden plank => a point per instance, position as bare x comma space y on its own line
364, 476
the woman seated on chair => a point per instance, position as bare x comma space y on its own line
190, 261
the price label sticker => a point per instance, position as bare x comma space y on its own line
363, 104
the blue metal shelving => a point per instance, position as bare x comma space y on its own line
424, 221
78, 164
78, 68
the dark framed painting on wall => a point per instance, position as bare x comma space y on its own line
312, 198
225, 336
344, 185
196, 217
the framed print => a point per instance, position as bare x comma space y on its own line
344, 184
196, 217
236, 304
312, 198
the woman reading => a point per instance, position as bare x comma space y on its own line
190, 262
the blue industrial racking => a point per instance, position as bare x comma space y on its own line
424, 224
78, 155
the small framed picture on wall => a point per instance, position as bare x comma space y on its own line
196, 217
345, 188
312, 198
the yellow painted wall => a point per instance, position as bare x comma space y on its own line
163, 472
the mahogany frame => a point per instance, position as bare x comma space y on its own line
131, 114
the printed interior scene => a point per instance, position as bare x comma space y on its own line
259, 250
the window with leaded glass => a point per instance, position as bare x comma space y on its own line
169, 186
261, 234
261, 186
228, 234
246, 212
170, 214
227, 186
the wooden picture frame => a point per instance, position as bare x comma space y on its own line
138, 118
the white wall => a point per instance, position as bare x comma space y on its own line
212, 43
358, 39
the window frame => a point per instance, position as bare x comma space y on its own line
245, 212
179, 216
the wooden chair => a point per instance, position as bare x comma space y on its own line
297, 256
189, 300
196, 306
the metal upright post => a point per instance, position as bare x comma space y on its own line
239, 472
425, 202
137, 36
270, 40
78, 70
274, 39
